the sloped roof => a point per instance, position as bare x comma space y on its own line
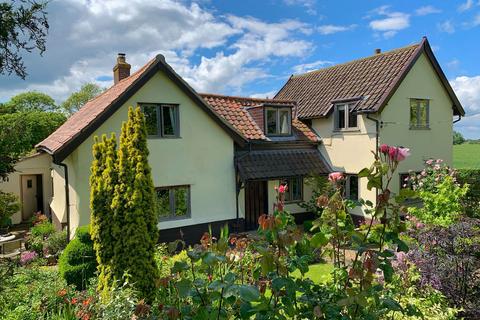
235, 110
370, 81
270, 164
85, 121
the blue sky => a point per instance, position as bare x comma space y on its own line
249, 47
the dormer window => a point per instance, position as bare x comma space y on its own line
345, 118
278, 121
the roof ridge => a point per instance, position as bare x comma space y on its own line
357, 60
204, 94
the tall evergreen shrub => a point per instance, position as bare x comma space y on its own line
123, 217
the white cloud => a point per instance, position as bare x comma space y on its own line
468, 91
426, 10
466, 6
330, 28
85, 36
308, 4
306, 67
446, 26
389, 23
454, 64
264, 95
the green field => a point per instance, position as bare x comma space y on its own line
466, 156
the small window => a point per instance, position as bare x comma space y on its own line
161, 120
294, 191
173, 202
278, 121
345, 117
351, 187
419, 114
29, 183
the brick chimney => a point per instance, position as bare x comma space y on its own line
378, 51
121, 69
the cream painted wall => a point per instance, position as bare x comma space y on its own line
421, 82
348, 151
36, 164
201, 158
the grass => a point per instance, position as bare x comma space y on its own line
318, 273
466, 156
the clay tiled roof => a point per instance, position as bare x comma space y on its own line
241, 112
270, 164
370, 81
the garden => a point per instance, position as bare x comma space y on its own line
418, 257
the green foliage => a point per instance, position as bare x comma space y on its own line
77, 262
9, 205
465, 156
43, 239
77, 99
55, 243
28, 102
43, 229
318, 184
24, 28
458, 138
471, 202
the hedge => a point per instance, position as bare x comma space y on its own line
472, 201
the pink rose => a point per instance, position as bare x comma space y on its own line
335, 176
384, 149
392, 153
282, 188
429, 161
439, 161
402, 154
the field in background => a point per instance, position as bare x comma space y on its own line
466, 156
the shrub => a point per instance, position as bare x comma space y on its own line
448, 259
55, 243
77, 263
471, 202
39, 235
42, 229
8, 206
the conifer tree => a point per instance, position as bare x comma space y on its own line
102, 185
135, 223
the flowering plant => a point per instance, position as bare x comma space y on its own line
27, 257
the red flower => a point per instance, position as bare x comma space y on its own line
282, 188
62, 292
384, 148
74, 301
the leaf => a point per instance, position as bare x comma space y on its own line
249, 293
365, 172
183, 287
392, 305
179, 266
318, 240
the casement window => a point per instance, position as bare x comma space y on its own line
351, 187
344, 117
173, 202
294, 191
278, 121
162, 120
419, 113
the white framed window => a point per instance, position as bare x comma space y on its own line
419, 113
162, 120
344, 117
294, 191
278, 121
351, 187
173, 202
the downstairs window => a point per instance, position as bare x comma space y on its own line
173, 202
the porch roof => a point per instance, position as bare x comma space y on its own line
271, 164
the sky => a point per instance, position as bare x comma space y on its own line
248, 47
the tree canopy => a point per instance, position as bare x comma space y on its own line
29, 101
458, 138
24, 28
77, 99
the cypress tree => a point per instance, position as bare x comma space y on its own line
135, 222
103, 179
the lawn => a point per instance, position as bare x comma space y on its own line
466, 156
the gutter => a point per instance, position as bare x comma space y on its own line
459, 118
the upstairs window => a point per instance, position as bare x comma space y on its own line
294, 191
419, 113
278, 121
173, 202
162, 120
345, 118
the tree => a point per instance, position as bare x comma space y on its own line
103, 179
77, 99
20, 132
30, 101
132, 233
24, 27
458, 138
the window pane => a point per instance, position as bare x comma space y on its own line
168, 117
181, 201
352, 118
422, 116
294, 190
150, 113
284, 123
341, 117
271, 121
353, 187
163, 203
413, 113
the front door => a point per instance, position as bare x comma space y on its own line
256, 202
30, 195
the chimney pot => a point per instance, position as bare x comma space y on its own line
122, 69
378, 51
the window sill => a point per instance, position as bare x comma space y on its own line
161, 138
347, 130
168, 219
420, 128
293, 202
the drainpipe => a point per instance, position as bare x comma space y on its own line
377, 133
238, 185
67, 197
459, 118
